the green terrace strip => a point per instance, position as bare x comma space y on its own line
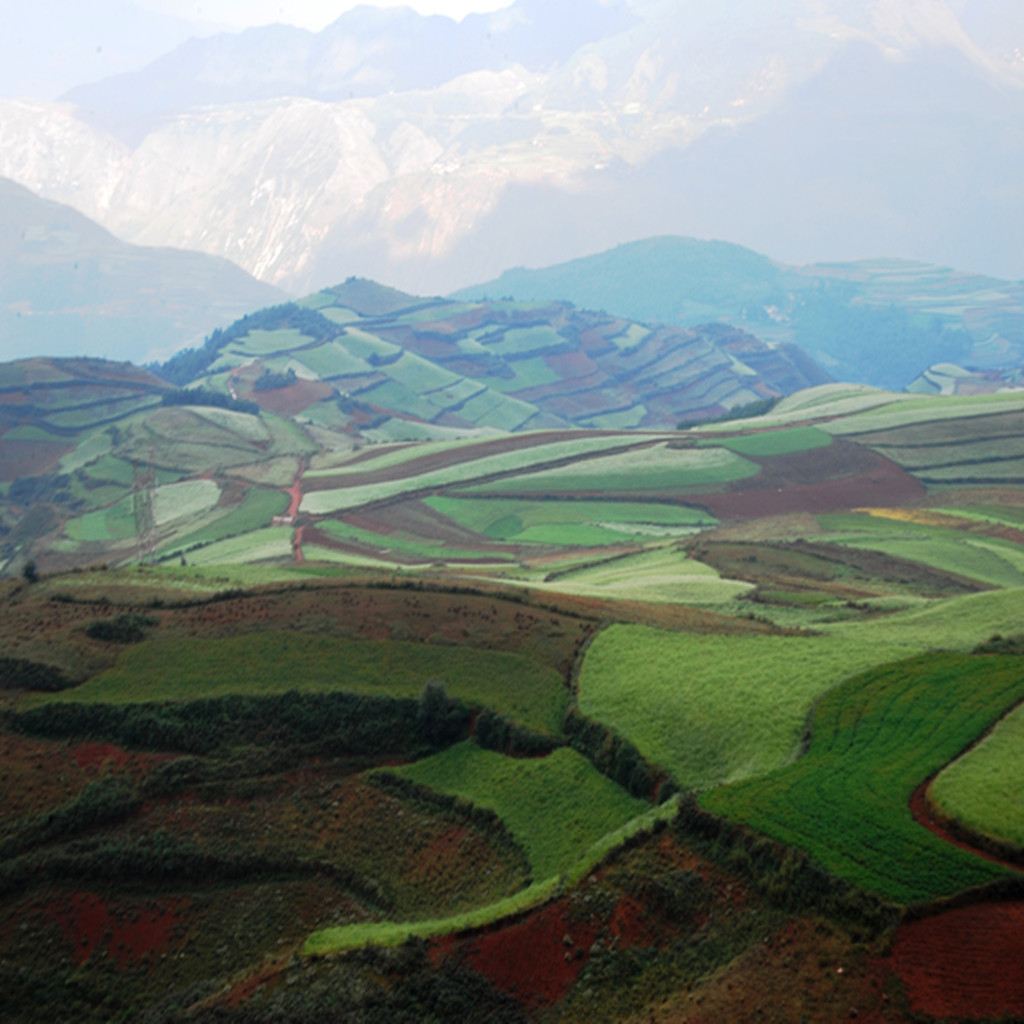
982, 790
774, 442
190, 668
654, 468
460, 471
714, 709
555, 806
991, 560
397, 544
394, 933
661, 574
875, 739
570, 522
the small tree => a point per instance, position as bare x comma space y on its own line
31, 571
440, 721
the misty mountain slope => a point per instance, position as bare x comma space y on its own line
878, 322
811, 131
366, 52
68, 287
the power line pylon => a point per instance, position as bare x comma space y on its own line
143, 485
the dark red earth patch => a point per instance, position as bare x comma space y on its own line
93, 755
538, 959
88, 924
965, 963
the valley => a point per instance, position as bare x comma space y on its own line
365, 663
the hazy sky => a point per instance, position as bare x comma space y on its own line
311, 14
49, 46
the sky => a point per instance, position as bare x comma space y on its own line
49, 46
311, 14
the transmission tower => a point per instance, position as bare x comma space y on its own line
143, 485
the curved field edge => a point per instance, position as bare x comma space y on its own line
874, 740
980, 791
553, 805
395, 933
716, 709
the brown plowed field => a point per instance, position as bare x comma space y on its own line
842, 476
964, 964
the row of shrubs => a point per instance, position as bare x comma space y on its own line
333, 724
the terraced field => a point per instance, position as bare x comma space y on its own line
874, 740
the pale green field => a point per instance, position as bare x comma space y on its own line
332, 359
273, 542
662, 575
507, 518
421, 376
262, 343
492, 409
983, 788
956, 624
554, 806
657, 467
717, 709
183, 501
321, 502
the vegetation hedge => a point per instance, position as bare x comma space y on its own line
22, 674
329, 723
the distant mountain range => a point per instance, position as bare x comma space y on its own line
69, 288
430, 154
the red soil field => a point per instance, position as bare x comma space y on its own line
842, 476
965, 963
88, 923
538, 959
293, 399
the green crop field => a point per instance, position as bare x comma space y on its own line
654, 468
982, 789
555, 806
396, 544
105, 524
256, 510
257, 546
332, 359
660, 575
955, 624
262, 343
189, 668
774, 442
512, 519
716, 709
875, 739
459, 471
520, 340
420, 376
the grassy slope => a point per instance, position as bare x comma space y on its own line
189, 668
714, 709
876, 739
982, 789
555, 806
